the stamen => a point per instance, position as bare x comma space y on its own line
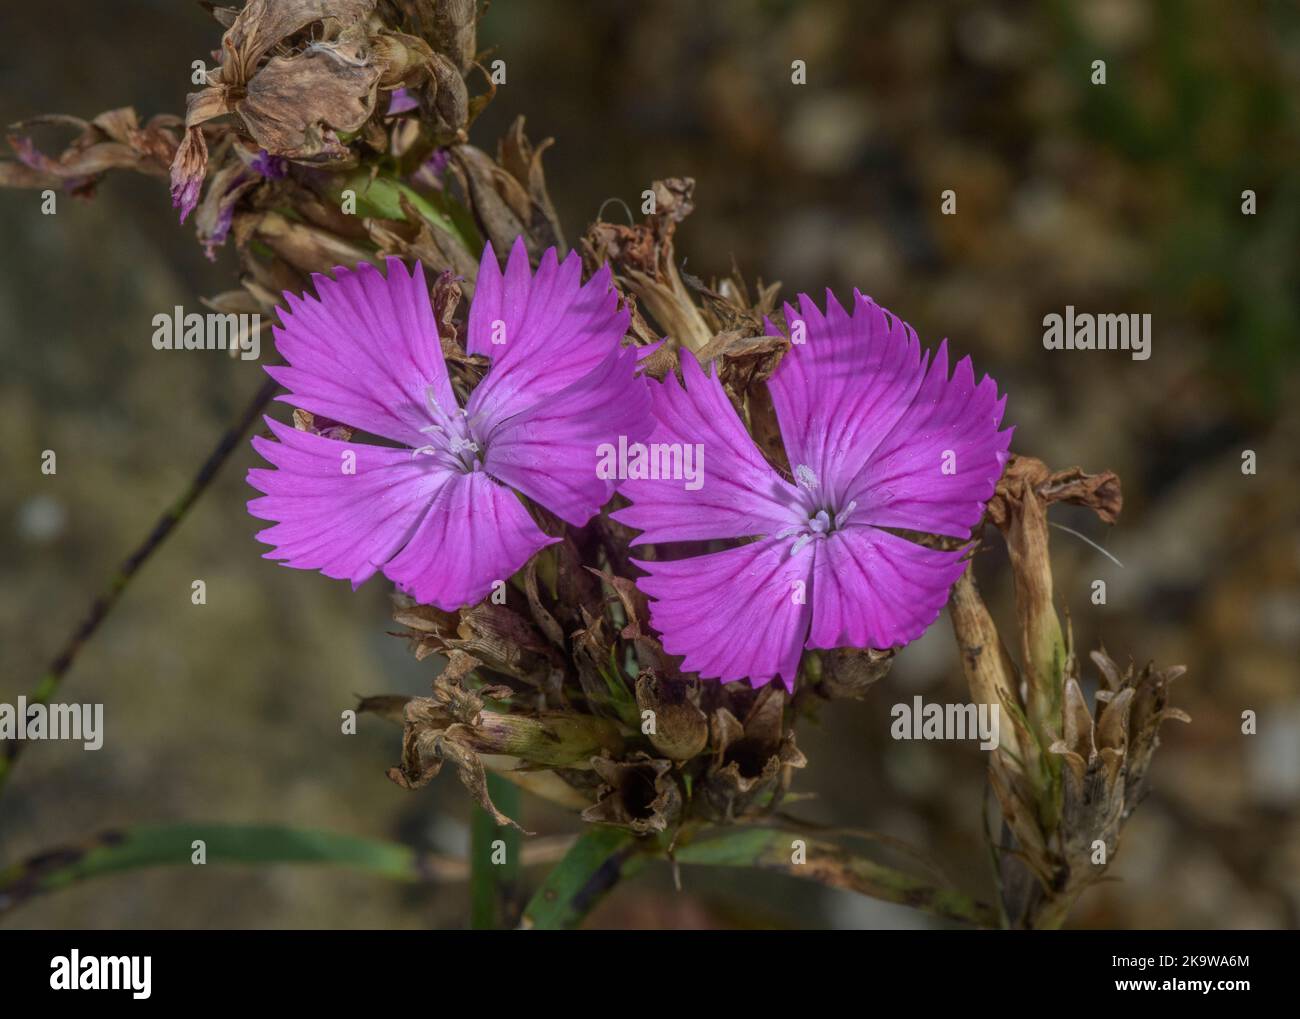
453, 432
843, 515
800, 542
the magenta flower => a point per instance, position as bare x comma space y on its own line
440, 514
878, 437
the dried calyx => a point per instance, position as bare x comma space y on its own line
1066, 775
562, 689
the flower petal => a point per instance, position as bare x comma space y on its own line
940, 463
740, 494
738, 614
365, 352
551, 329
550, 451
838, 393
347, 525
875, 589
476, 532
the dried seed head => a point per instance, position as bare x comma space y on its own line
639, 794
752, 762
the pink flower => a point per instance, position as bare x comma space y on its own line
878, 437
440, 513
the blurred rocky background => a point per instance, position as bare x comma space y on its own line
1123, 197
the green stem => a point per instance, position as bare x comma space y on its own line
494, 860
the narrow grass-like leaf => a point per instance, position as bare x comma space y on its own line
600, 858
493, 875
835, 866
176, 844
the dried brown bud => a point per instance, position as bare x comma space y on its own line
520, 158
450, 100
851, 672
453, 28
402, 59
454, 725
1100, 493
449, 26
745, 358
307, 248
680, 729
642, 257
305, 421
508, 197
290, 105
504, 641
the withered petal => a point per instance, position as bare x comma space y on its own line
291, 96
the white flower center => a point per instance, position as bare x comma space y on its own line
453, 442
820, 520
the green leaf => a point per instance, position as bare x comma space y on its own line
493, 886
621, 697
381, 197
173, 845
833, 865
600, 858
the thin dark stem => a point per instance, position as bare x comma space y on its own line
166, 523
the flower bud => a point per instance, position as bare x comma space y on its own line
851, 672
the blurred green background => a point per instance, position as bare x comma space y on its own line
1117, 198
